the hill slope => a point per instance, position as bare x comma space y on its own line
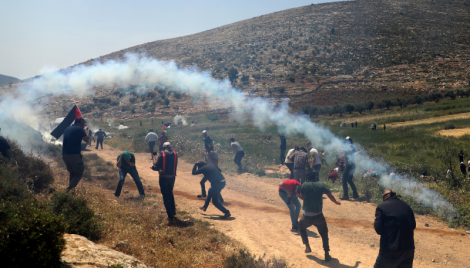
4, 79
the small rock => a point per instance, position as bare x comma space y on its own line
426, 224
126, 192
122, 244
372, 245
433, 260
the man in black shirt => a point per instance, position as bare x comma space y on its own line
461, 156
217, 180
395, 223
100, 135
71, 151
283, 148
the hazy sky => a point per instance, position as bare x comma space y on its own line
38, 36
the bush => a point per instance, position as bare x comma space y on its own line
244, 259
212, 117
78, 217
132, 100
125, 108
29, 236
449, 126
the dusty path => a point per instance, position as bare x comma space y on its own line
261, 222
431, 120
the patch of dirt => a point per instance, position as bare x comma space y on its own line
431, 120
260, 220
454, 132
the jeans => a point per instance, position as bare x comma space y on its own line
135, 175
317, 168
98, 142
166, 187
299, 175
238, 159
203, 189
75, 167
151, 145
290, 166
283, 156
319, 222
294, 207
214, 194
323, 161
348, 173
398, 259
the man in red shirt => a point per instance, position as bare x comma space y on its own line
287, 191
162, 139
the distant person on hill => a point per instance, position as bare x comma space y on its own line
287, 192
100, 135
300, 159
126, 164
385, 127
461, 156
289, 163
4, 147
162, 139
166, 164
311, 193
395, 223
352, 124
71, 151
151, 138
349, 168
239, 153
217, 180
282, 147
316, 161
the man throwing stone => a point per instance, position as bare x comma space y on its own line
395, 223
312, 194
126, 164
71, 151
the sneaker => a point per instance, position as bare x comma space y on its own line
171, 221
327, 256
344, 198
294, 229
355, 196
203, 208
201, 196
226, 215
308, 249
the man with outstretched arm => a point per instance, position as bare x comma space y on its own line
126, 164
312, 194
71, 151
217, 180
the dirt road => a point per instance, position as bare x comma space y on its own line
260, 220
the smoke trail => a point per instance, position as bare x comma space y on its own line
179, 118
151, 72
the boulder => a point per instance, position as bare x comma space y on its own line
81, 252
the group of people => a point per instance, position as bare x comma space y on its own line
394, 220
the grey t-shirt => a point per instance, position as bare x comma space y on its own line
236, 147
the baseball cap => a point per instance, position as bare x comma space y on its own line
204, 131
166, 144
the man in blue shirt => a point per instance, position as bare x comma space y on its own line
126, 164
71, 151
100, 134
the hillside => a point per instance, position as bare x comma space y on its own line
4, 79
326, 54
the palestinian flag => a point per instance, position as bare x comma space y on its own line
68, 120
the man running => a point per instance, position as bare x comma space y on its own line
100, 135
282, 147
126, 164
71, 151
239, 153
312, 194
316, 161
151, 138
217, 180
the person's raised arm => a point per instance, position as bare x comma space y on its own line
119, 162
86, 138
333, 199
196, 170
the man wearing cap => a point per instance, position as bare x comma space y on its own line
316, 161
166, 164
282, 147
100, 135
395, 223
239, 153
151, 138
126, 164
71, 151
208, 142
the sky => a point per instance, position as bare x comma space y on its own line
42, 36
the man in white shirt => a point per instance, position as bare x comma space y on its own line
289, 163
316, 161
239, 153
151, 138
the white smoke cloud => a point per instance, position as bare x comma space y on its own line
80, 80
181, 118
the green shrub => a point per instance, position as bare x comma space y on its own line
29, 236
244, 259
449, 126
212, 117
260, 172
78, 217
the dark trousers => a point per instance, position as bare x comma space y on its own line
238, 159
214, 194
290, 166
319, 222
323, 161
395, 259
151, 145
98, 142
283, 156
135, 175
203, 189
348, 178
75, 167
317, 168
166, 187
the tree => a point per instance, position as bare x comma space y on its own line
133, 99
349, 108
369, 105
166, 102
436, 97
450, 94
338, 109
461, 93
386, 103
399, 102
282, 90
232, 75
418, 100
245, 78
313, 111
151, 94
360, 108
